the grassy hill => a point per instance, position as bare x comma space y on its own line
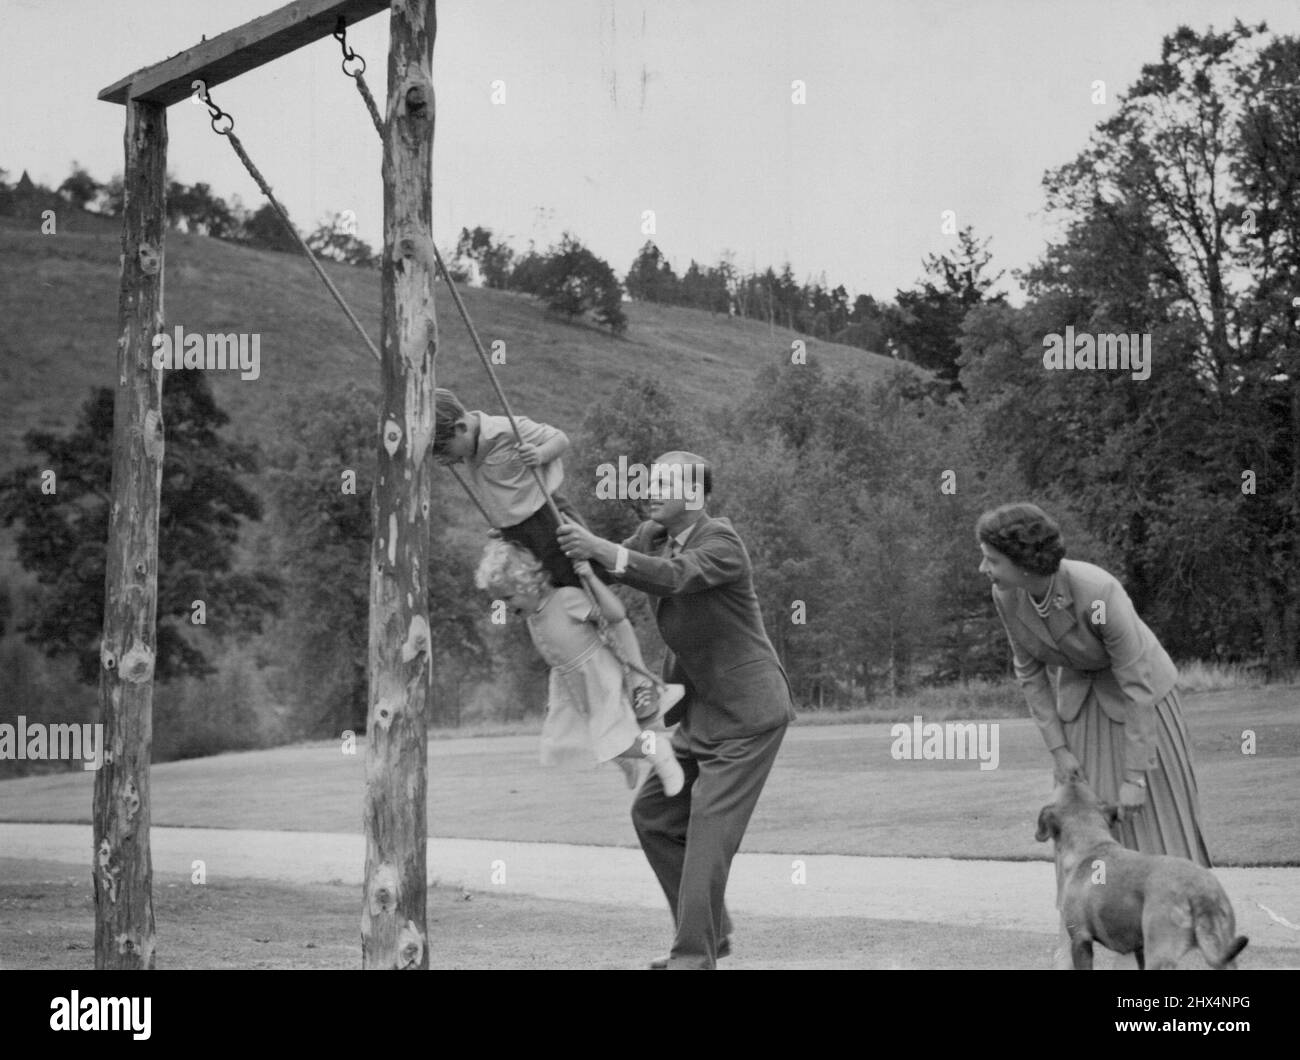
58, 297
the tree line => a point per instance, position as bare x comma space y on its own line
919, 325
573, 283
1180, 219
193, 208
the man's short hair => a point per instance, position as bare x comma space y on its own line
701, 468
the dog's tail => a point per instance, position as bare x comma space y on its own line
1216, 930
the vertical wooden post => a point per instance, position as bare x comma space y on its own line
122, 867
393, 931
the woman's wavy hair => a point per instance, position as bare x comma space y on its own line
1025, 534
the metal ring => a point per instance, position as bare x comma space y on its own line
347, 59
228, 129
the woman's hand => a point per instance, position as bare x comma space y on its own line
583, 569
1131, 797
1067, 766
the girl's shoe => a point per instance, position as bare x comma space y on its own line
645, 703
669, 697
649, 703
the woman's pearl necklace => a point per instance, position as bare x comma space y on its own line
1044, 609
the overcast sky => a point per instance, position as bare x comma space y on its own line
612, 108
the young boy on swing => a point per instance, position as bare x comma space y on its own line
500, 471
498, 468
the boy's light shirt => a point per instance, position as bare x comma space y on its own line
505, 483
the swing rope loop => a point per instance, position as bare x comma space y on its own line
602, 624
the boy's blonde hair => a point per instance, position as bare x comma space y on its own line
506, 568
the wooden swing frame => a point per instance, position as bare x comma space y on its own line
393, 919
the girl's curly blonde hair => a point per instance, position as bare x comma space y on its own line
506, 569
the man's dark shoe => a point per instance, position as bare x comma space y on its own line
724, 950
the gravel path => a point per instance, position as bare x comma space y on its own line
990, 894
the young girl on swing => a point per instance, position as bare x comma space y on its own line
591, 711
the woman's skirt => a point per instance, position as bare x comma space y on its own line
1170, 822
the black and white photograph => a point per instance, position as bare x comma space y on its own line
615, 485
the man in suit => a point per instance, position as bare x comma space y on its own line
737, 703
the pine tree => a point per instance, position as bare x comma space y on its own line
925, 328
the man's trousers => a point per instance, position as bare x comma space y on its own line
690, 839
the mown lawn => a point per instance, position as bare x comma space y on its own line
834, 790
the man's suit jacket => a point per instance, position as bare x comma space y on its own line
1096, 642
708, 616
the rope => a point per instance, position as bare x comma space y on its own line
602, 624
364, 89
270, 197
471, 495
492, 375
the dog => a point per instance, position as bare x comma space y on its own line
1154, 906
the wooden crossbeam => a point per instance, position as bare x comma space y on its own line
239, 50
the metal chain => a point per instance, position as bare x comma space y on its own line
357, 75
217, 113
340, 34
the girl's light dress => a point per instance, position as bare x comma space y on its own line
589, 717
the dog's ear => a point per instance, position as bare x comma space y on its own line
1048, 824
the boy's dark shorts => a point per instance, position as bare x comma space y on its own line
537, 534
